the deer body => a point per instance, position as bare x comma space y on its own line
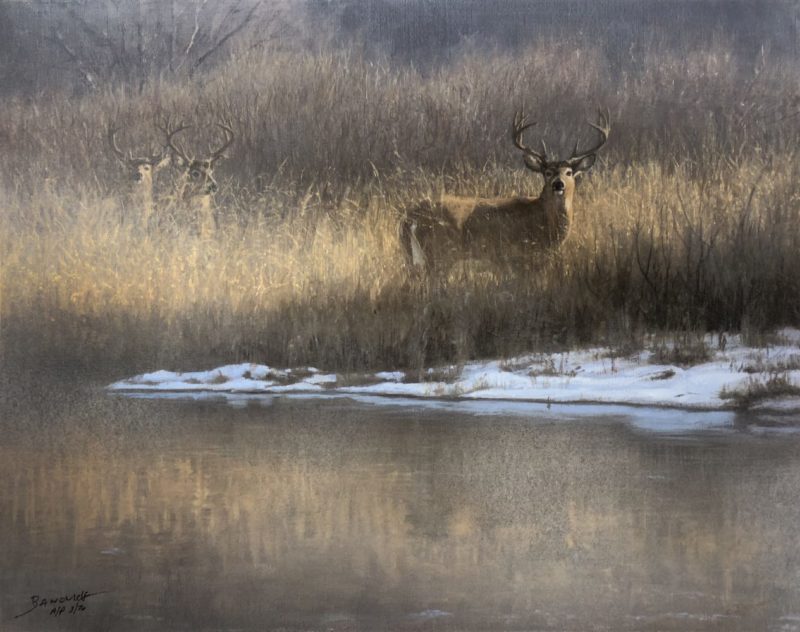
140, 197
196, 185
454, 225
473, 225
140, 178
195, 194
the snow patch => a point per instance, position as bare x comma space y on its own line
589, 376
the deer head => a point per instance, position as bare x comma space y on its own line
198, 172
140, 169
559, 175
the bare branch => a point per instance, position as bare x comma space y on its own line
193, 38
86, 73
220, 42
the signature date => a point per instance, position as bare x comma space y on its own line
66, 604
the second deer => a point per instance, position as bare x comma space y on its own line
141, 172
196, 186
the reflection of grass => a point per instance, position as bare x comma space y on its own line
776, 384
673, 230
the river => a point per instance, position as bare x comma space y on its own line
120, 513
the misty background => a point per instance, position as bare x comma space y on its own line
85, 45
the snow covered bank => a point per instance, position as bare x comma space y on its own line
724, 375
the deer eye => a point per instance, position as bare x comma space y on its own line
195, 173
548, 173
569, 172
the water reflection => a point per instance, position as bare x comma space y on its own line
333, 515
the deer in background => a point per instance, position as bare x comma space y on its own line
140, 175
472, 224
196, 186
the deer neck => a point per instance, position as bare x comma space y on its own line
202, 201
558, 213
202, 205
143, 197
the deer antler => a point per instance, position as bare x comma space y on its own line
170, 132
604, 127
156, 155
112, 140
518, 129
229, 138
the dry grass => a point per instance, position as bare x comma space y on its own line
691, 222
776, 385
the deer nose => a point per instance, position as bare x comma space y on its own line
137, 177
212, 187
558, 185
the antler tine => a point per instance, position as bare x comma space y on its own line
229, 138
603, 126
604, 122
520, 125
156, 154
112, 140
170, 132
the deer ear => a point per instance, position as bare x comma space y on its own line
534, 164
584, 164
179, 162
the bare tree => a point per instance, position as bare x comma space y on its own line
131, 41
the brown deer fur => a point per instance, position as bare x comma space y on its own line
467, 226
196, 185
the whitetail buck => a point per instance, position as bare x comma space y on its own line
471, 226
196, 185
140, 175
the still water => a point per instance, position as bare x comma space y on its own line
330, 514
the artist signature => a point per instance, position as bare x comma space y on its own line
69, 603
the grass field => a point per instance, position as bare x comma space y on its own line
689, 222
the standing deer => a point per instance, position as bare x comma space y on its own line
196, 186
141, 173
473, 224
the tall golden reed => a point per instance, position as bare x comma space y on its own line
690, 221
